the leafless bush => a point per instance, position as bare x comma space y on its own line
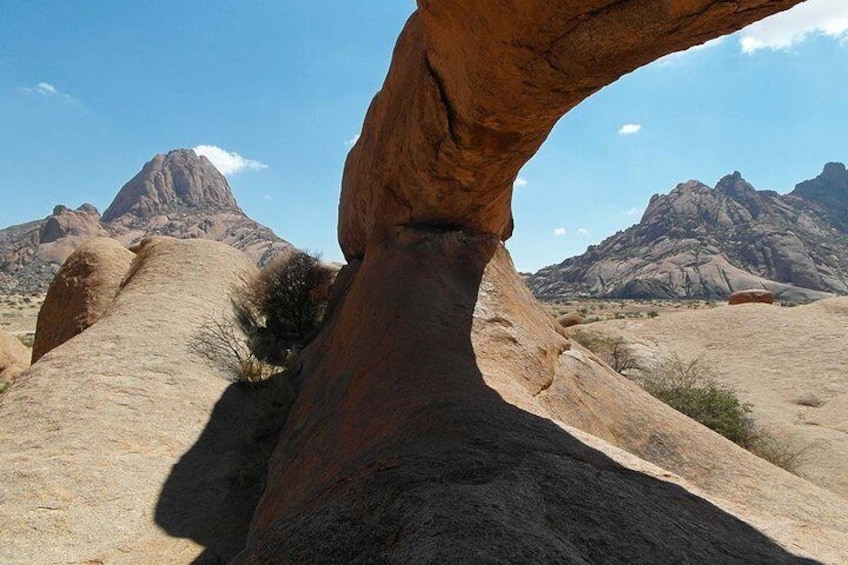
613, 351
224, 344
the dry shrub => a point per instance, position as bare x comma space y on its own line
613, 351
282, 309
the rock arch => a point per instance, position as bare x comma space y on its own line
442, 415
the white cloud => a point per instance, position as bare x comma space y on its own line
228, 162
559, 232
582, 231
48, 90
520, 181
634, 212
352, 141
787, 29
630, 129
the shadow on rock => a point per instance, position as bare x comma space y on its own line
211, 493
397, 451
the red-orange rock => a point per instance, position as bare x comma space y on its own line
80, 292
475, 87
752, 295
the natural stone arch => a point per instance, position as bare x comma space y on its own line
441, 416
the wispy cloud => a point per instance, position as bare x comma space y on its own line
228, 162
634, 212
787, 29
352, 141
629, 129
559, 232
583, 231
47, 90
520, 181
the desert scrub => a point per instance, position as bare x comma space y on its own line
273, 317
283, 308
692, 389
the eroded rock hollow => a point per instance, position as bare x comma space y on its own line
443, 417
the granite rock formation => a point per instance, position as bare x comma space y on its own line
80, 292
435, 418
179, 194
702, 242
122, 445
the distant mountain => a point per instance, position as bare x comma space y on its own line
702, 242
180, 194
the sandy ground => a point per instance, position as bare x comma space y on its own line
600, 309
790, 363
19, 313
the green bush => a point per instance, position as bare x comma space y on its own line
691, 388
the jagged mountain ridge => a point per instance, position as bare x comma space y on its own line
702, 242
178, 194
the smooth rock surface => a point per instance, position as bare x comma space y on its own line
122, 446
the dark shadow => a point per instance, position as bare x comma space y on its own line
211, 493
398, 452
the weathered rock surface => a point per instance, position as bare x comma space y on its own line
122, 446
31, 254
752, 295
700, 242
179, 195
81, 292
14, 357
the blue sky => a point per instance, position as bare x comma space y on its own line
90, 90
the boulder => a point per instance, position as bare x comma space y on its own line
80, 293
757, 295
124, 446
570, 319
14, 357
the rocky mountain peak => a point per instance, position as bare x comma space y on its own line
829, 191
835, 173
178, 179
